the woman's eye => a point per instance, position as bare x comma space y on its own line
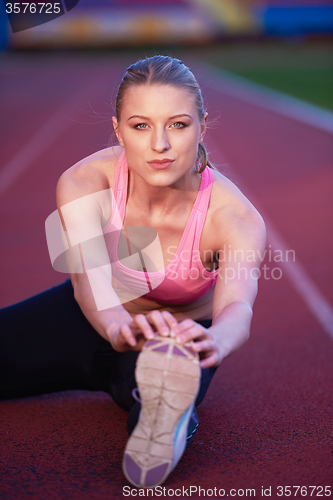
141, 126
179, 125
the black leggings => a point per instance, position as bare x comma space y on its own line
47, 345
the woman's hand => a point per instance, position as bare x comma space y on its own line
204, 342
130, 336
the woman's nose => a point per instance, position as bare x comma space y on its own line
160, 141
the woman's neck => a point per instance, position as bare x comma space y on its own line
162, 199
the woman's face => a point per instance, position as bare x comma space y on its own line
160, 130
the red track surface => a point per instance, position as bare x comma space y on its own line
267, 418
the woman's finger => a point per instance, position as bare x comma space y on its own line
156, 318
143, 325
127, 334
170, 321
184, 325
195, 331
204, 345
211, 362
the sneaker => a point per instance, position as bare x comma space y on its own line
168, 378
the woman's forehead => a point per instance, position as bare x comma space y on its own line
153, 98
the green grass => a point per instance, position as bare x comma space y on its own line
312, 85
303, 70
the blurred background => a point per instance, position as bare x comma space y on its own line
284, 44
110, 23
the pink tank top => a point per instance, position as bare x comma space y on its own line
184, 279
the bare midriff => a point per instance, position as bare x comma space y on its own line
198, 310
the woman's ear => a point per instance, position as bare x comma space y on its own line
116, 130
203, 126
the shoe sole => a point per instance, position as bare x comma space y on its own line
168, 378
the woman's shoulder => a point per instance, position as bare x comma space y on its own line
92, 174
231, 210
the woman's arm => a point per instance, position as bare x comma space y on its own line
83, 196
243, 237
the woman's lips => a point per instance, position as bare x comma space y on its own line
161, 164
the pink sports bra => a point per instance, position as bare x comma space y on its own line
184, 279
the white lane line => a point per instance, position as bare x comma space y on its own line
307, 289
295, 272
47, 134
263, 97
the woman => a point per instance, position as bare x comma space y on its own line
157, 244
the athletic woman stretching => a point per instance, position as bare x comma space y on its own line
157, 244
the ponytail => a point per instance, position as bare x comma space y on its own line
203, 159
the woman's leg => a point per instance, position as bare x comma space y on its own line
46, 345
113, 372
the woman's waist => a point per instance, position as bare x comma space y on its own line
199, 309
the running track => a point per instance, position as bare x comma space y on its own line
267, 419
